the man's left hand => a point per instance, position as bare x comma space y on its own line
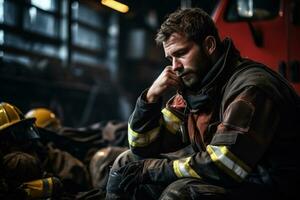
132, 176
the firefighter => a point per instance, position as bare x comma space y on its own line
52, 131
18, 133
45, 118
81, 142
19, 163
96, 146
230, 131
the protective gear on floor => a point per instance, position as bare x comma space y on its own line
45, 118
13, 121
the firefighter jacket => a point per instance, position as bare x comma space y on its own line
241, 124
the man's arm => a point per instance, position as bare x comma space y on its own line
241, 140
150, 130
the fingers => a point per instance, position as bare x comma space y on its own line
170, 82
166, 80
128, 183
113, 182
171, 77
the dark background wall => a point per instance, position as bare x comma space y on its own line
85, 61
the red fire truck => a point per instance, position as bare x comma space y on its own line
267, 31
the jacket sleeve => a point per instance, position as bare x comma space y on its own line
151, 130
240, 141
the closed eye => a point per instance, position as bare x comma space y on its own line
180, 52
169, 58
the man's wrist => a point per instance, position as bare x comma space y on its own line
150, 98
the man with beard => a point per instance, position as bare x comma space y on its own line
230, 131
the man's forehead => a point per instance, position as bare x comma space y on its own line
175, 38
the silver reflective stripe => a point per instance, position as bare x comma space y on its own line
142, 139
228, 162
183, 169
171, 121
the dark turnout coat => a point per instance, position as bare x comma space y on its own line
242, 124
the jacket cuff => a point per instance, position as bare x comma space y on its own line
159, 171
143, 104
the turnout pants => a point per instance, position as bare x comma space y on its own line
186, 188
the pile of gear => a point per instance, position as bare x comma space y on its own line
42, 159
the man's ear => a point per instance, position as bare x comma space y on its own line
209, 45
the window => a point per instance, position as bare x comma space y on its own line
9, 18
48, 5
63, 33
53, 53
239, 10
37, 20
88, 36
29, 34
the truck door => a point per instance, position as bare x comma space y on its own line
259, 30
293, 22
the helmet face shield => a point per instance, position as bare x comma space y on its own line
15, 125
18, 138
24, 132
33, 133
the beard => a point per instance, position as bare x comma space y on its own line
191, 79
193, 75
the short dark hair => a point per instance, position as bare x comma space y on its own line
194, 23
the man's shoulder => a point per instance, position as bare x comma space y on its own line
251, 73
254, 74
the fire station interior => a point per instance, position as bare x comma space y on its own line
82, 59
89, 60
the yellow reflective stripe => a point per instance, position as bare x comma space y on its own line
176, 168
183, 169
142, 139
39, 188
228, 162
171, 121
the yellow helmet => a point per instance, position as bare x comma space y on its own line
12, 119
44, 118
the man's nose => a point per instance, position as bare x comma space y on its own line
176, 64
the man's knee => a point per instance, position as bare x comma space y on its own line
175, 191
189, 188
113, 190
123, 159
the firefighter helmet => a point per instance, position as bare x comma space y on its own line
45, 118
12, 120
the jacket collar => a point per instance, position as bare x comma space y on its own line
209, 88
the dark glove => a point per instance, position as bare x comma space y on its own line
126, 178
132, 176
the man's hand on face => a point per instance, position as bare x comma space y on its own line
165, 81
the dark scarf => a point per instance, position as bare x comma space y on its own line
210, 86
